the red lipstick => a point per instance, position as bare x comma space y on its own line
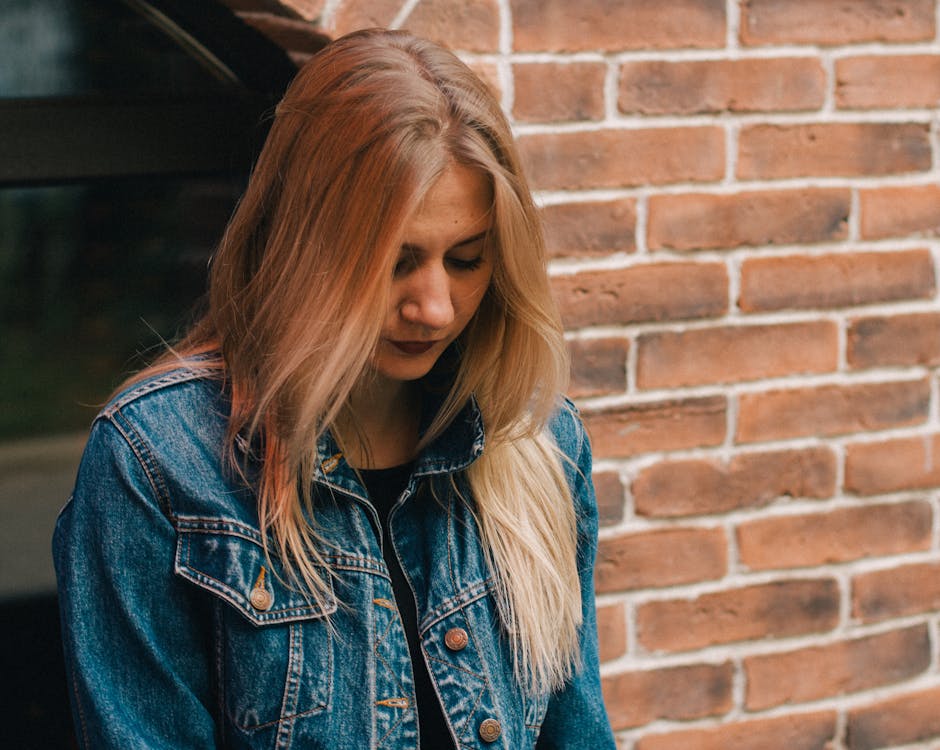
412, 347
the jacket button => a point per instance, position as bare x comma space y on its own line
456, 639
261, 599
490, 730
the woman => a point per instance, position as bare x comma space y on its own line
349, 510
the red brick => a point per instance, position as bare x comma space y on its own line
888, 340
609, 491
556, 92
835, 669
611, 631
653, 292
590, 228
897, 592
799, 282
696, 86
827, 22
832, 410
749, 480
611, 25
893, 465
471, 25
598, 366
833, 150
611, 158
909, 211
773, 217
816, 731
662, 425
835, 537
670, 359
771, 610
355, 15
900, 720
663, 557
883, 81
681, 693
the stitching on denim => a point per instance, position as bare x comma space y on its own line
285, 726
181, 375
136, 445
380, 640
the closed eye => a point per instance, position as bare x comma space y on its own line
461, 264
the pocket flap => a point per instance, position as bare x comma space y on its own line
226, 558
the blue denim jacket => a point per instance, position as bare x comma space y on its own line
178, 634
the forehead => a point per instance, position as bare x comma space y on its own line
460, 200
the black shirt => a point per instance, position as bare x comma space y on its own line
385, 487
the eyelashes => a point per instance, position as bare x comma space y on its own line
466, 265
408, 263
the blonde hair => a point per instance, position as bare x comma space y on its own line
298, 292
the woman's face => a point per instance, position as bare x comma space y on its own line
443, 270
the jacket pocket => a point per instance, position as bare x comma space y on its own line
274, 647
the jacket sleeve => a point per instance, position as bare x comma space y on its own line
576, 718
136, 638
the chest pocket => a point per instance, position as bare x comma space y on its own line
275, 645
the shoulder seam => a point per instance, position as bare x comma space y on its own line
174, 377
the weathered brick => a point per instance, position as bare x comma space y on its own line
887, 340
773, 217
556, 92
912, 210
598, 366
663, 557
896, 592
901, 720
815, 731
471, 25
590, 228
838, 280
611, 631
827, 22
680, 693
609, 491
610, 25
353, 15
893, 465
833, 150
837, 536
613, 158
662, 425
697, 86
652, 292
832, 410
669, 359
700, 487
771, 610
834, 669
888, 81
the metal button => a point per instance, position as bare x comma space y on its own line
456, 639
261, 599
490, 730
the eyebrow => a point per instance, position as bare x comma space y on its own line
411, 247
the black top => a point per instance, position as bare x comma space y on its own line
385, 487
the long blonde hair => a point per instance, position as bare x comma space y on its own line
298, 292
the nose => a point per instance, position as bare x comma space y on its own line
427, 301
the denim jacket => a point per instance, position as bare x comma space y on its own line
180, 633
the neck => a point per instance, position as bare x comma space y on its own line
379, 426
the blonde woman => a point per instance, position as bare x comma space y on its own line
350, 509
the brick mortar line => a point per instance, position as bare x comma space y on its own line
712, 54
404, 11
732, 26
719, 654
785, 507
918, 116
559, 267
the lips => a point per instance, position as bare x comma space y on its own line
413, 347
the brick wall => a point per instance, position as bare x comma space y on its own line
743, 214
